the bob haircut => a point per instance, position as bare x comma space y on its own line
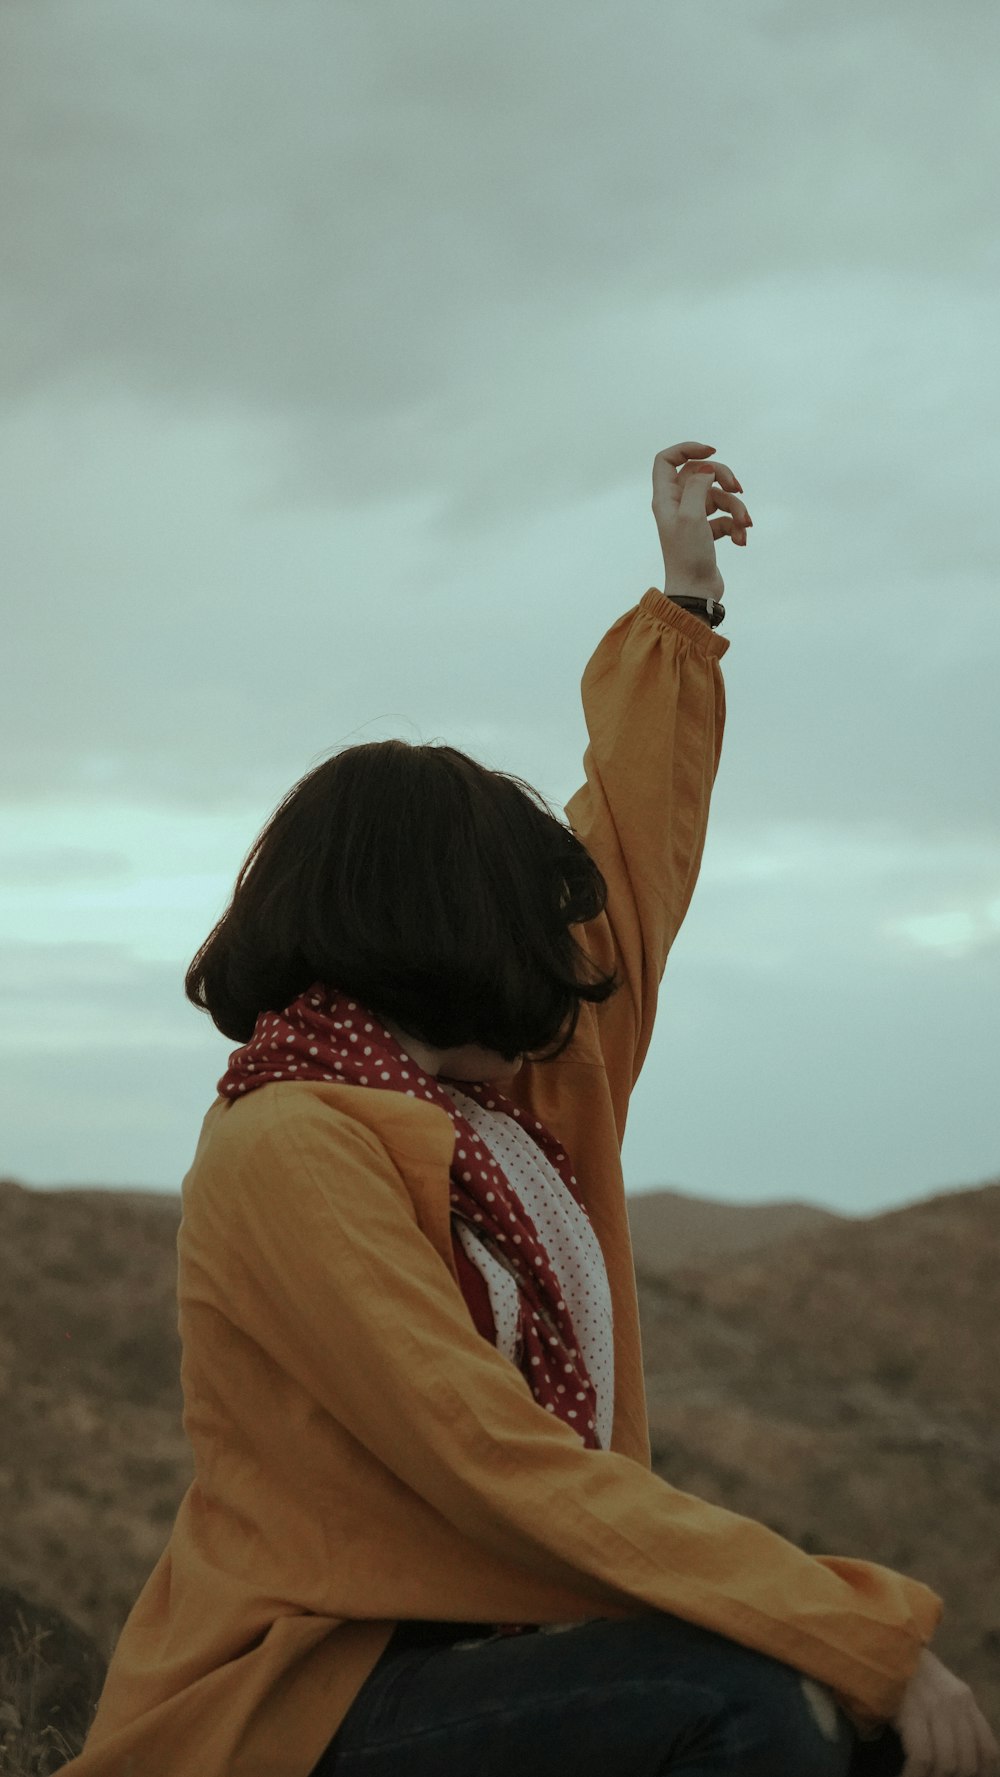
436, 891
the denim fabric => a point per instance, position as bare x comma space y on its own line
634, 1697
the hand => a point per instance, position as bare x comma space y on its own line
943, 1731
681, 504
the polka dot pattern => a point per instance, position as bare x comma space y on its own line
566, 1235
324, 1035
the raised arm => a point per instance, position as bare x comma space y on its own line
655, 706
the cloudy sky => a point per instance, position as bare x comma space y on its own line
338, 341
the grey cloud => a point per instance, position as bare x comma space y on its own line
337, 345
55, 864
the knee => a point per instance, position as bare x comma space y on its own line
832, 1735
791, 1724
824, 1709
818, 1735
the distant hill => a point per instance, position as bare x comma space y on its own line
669, 1228
837, 1378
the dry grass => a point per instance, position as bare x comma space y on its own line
29, 1745
52, 1672
838, 1382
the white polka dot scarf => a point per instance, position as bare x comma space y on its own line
323, 1035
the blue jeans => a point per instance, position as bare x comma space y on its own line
630, 1696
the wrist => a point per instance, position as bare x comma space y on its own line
695, 611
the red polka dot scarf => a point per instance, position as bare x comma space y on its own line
323, 1035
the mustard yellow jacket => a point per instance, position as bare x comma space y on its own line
361, 1453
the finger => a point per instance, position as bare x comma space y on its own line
919, 1752
987, 1750
967, 1749
966, 1756
731, 503
677, 454
944, 1752
728, 527
720, 472
667, 463
700, 495
696, 495
723, 474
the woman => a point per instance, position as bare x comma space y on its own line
424, 1534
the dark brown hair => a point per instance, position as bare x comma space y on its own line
436, 891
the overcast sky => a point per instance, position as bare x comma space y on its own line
337, 343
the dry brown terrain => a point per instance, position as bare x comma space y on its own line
836, 1378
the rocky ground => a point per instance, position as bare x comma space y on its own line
835, 1378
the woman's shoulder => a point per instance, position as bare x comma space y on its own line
326, 1114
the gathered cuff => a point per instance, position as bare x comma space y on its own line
661, 608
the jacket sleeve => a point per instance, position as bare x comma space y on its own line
655, 707
329, 1272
